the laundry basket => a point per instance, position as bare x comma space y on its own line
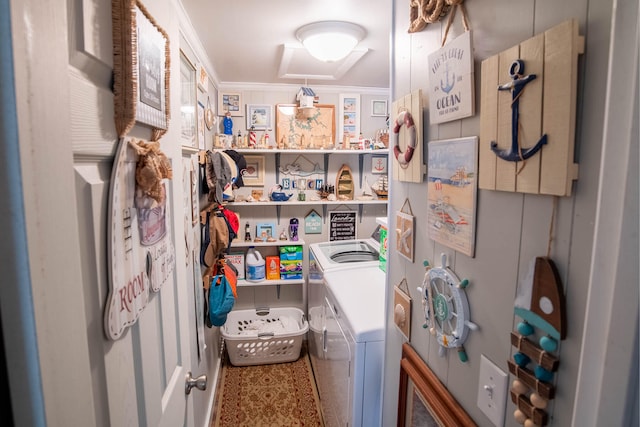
263, 336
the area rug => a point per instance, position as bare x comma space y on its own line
278, 395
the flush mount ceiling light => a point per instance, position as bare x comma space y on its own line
330, 41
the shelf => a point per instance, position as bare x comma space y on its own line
243, 282
310, 151
237, 243
312, 202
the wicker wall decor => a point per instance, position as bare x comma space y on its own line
141, 68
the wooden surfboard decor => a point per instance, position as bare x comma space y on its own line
528, 114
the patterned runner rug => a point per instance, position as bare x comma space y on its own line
278, 395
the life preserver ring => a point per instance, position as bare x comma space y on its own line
404, 158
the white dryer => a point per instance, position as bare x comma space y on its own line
333, 345
325, 257
349, 375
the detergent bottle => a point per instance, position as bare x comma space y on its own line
255, 265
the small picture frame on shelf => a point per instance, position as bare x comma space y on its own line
286, 183
265, 230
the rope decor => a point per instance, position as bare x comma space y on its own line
125, 67
425, 12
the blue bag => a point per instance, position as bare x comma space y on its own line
221, 300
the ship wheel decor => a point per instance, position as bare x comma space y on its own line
446, 308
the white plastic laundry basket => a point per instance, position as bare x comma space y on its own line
263, 336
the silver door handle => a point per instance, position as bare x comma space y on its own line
199, 382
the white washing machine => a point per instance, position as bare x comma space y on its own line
350, 372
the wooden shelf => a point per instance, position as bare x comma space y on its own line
312, 202
237, 243
309, 151
243, 282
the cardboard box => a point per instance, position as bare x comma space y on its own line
383, 249
237, 259
290, 267
290, 253
272, 267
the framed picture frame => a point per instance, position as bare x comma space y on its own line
229, 102
253, 175
379, 108
423, 400
188, 94
142, 76
266, 230
203, 79
259, 117
452, 193
296, 128
349, 117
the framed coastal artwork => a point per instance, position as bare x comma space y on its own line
229, 102
301, 128
188, 93
253, 175
451, 192
349, 118
259, 117
379, 108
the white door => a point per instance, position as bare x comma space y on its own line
62, 54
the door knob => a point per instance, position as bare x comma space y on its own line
199, 382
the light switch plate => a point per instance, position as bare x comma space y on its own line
492, 391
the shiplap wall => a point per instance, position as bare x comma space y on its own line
511, 228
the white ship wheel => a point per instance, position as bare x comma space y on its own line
446, 307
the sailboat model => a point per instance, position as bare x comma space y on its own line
381, 187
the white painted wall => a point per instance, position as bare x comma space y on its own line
513, 228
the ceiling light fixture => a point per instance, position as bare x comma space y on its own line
330, 41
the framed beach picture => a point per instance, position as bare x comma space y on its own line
229, 102
259, 117
349, 117
451, 192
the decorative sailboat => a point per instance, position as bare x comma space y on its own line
366, 191
381, 187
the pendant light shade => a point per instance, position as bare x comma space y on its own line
330, 41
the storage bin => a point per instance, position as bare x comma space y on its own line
264, 336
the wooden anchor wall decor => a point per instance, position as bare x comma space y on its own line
527, 138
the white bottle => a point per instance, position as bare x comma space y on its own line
255, 266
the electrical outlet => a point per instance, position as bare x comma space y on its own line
492, 391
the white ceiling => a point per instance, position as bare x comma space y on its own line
253, 41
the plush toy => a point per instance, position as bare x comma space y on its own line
152, 167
